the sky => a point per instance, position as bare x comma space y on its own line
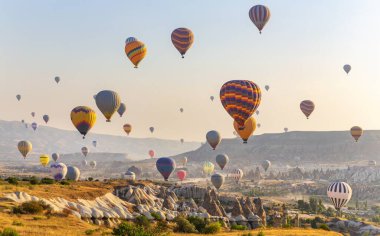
300, 55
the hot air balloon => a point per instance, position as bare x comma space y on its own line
181, 110
258, 125
182, 140
33, 114
236, 174
57, 79
266, 164
44, 160
208, 168
83, 118
259, 15
184, 161
46, 118
151, 129
339, 193
182, 40
121, 109
151, 153
84, 163
136, 170
127, 128
94, 143
85, 151
24, 147
136, 51
165, 166
356, 132
240, 98
130, 39
212, 98
108, 102
23, 121
347, 68
222, 160
18, 96
73, 173
213, 138
217, 180
181, 174
257, 112
307, 107
286, 130
266, 87
55, 156
34, 126
93, 164
247, 131
58, 171
129, 175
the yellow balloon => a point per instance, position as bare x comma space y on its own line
208, 168
44, 160
249, 128
83, 119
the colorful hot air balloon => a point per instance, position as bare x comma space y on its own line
33, 114
127, 128
182, 39
236, 174
93, 164
222, 160
151, 153
217, 180
44, 160
339, 193
94, 143
46, 118
108, 102
184, 161
266, 87
83, 119
151, 129
259, 15
266, 164
307, 107
136, 51
347, 68
213, 138
55, 157
85, 151
212, 98
18, 96
34, 126
130, 39
121, 109
165, 166
181, 174
240, 98
247, 131
356, 132
58, 171
24, 147
73, 173
208, 168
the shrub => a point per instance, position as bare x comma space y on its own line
261, 233
89, 232
198, 222
130, 229
142, 221
64, 182
162, 226
9, 232
12, 180
17, 223
156, 216
47, 181
38, 218
238, 227
324, 227
212, 228
90, 179
249, 234
33, 180
183, 225
31, 207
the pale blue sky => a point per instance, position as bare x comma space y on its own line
300, 55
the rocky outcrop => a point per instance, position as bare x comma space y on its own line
212, 204
237, 210
260, 210
190, 191
354, 228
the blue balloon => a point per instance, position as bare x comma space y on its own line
165, 166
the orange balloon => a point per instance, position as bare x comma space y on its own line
249, 128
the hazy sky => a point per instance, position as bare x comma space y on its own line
300, 55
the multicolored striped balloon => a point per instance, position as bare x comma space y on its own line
307, 107
182, 39
108, 103
136, 51
24, 147
240, 98
339, 193
165, 166
236, 175
83, 118
130, 39
259, 15
356, 132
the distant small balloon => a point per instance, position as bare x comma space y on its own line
122, 109
259, 15
286, 130
93, 164
33, 114
307, 107
258, 125
129, 175
44, 160
151, 129
182, 140
108, 103
181, 174
356, 132
34, 126
46, 118
208, 168
151, 153
213, 138
73, 173
18, 96
57, 79
165, 166
55, 156
246, 132
85, 151
94, 143
212, 98
347, 68
182, 39
217, 180
257, 112
266, 87
136, 52
58, 171
266, 164
127, 128
181, 110
184, 161
222, 160
236, 174
84, 163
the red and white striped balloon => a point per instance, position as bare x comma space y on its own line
307, 107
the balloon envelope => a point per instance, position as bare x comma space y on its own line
217, 180
347, 68
46, 118
307, 107
24, 147
247, 131
181, 174
266, 164
136, 170
165, 166
55, 156
57, 79
83, 118
85, 151
129, 175
222, 160
208, 168
18, 96
184, 161
259, 15
356, 132
58, 171
213, 138
73, 173
44, 160
212, 98
151, 129
122, 109
93, 164
108, 102
94, 143
136, 51
151, 153
266, 87
34, 126
84, 163
339, 193
182, 39
127, 128
236, 174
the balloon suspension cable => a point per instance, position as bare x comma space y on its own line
260, 31
136, 67
108, 120
183, 56
245, 142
